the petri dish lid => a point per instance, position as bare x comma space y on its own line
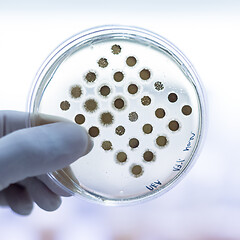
140, 100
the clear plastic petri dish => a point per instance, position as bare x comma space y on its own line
140, 100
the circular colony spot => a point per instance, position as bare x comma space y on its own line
145, 74
131, 61
116, 49
186, 110
147, 128
161, 141
148, 156
133, 143
172, 97
132, 88
90, 77
118, 76
160, 113
102, 62
64, 105
158, 86
104, 90
107, 145
133, 116
106, 118
90, 105
120, 130
137, 170
146, 100
76, 91
121, 157
79, 119
93, 131
173, 125
119, 103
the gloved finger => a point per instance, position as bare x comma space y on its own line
18, 199
38, 150
53, 186
69, 178
42, 119
11, 121
41, 195
3, 201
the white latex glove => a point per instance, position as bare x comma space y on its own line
27, 154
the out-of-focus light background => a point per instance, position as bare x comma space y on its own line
206, 204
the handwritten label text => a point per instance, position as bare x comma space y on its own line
189, 145
154, 185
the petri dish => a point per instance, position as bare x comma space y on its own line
140, 100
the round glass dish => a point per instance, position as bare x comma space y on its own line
139, 99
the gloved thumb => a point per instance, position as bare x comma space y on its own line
38, 150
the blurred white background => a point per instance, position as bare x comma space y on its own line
206, 204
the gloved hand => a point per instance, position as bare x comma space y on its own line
27, 154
